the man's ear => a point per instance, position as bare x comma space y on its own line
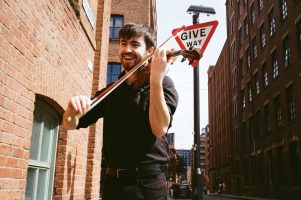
151, 49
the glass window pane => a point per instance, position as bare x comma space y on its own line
46, 139
36, 132
111, 22
42, 179
118, 21
116, 69
116, 32
114, 78
30, 183
111, 32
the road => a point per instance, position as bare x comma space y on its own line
208, 197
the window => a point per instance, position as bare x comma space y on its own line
283, 9
40, 172
280, 166
294, 163
233, 51
234, 79
242, 67
253, 169
246, 26
275, 67
299, 36
267, 122
251, 124
260, 5
252, 10
116, 22
246, 171
248, 58
270, 167
113, 72
232, 24
257, 125
239, 38
244, 3
265, 77
286, 51
249, 91
235, 111
243, 98
272, 23
238, 8
290, 102
261, 169
243, 133
254, 47
256, 82
277, 111
262, 36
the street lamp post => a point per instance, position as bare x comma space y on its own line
197, 190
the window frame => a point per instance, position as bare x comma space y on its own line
286, 51
110, 70
113, 29
44, 111
272, 22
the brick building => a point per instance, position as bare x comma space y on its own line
259, 151
50, 51
219, 121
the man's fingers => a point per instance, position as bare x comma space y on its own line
78, 104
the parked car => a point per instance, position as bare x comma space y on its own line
180, 191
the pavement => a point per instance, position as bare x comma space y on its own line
211, 196
238, 197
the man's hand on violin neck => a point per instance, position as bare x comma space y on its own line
159, 66
79, 105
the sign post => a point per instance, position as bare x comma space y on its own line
196, 36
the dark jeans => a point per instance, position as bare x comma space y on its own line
146, 188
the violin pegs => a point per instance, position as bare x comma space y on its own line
191, 61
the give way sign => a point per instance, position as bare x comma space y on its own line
195, 36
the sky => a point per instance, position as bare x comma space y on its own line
173, 14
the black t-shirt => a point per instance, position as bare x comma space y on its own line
128, 140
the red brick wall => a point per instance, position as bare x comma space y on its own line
44, 51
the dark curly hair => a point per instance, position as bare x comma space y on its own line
138, 29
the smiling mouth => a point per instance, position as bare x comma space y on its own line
128, 57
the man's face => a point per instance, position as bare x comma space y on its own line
132, 51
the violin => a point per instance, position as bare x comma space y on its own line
142, 75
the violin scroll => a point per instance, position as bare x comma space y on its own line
192, 55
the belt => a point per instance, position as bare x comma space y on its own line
143, 171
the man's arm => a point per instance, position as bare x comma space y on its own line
159, 116
77, 106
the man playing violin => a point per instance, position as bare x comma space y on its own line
136, 121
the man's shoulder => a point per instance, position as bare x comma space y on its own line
167, 81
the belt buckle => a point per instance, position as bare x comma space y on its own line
119, 170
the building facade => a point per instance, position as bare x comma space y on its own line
264, 48
219, 122
49, 52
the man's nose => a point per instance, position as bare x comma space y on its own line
128, 48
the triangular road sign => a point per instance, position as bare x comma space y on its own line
195, 36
